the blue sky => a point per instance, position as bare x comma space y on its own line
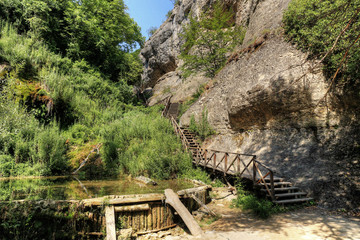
148, 13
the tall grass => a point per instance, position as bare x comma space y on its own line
81, 108
144, 143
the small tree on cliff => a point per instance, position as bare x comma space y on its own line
208, 39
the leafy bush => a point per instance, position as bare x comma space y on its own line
259, 207
186, 105
315, 25
51, 149
143, 142
208, 40
203, 128
151, 31
197, 174
71, 29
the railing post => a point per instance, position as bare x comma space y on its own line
205, 157
238, 163
254, 169
214, 162
226, 161
272, 185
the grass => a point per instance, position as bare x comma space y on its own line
201, 128
258, 207
261, 208
143, 142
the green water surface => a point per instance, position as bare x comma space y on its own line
66, 188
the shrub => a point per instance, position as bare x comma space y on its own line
314, 25
151, 31
208, 40
259, 207
143, 142
51, 149
7, 165
203, 128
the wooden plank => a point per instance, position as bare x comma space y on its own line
133, 208
173, 200
190, 191
125, 199
110, 223
296, 200
262, 178
154, 221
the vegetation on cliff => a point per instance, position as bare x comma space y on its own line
208, 40
329, 30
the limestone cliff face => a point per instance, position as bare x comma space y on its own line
268, 100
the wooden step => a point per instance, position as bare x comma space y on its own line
277, 184
282, 189
276, 179
296, 200
295, 194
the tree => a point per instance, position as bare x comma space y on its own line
328, 29
208, 40
151, 31
99, 31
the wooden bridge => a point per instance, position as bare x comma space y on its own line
239, 165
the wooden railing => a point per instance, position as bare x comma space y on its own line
180, 133
237, 164
167, 106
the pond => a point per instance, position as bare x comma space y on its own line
71, 187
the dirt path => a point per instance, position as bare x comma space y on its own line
305, 224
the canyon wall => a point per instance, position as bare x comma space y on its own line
269, 100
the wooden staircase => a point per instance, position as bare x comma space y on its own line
247, 166
285, 193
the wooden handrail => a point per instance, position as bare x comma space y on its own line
241, 154
167, 106
209, 158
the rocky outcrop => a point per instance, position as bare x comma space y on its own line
160, 52
269, 101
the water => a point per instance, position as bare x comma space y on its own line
66, 188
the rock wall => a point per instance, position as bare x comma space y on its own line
269, 101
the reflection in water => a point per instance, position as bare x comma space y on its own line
64, 188
82, 185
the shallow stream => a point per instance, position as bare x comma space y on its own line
66, 188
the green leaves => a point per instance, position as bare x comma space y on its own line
208, 40
143, 143
99, 31
316, 25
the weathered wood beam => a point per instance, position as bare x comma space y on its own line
110, 223
173, 200
133, 208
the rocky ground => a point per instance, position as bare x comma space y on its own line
307, 223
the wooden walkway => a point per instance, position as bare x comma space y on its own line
239, 165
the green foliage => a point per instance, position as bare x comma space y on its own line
99, 31
259, 207
186, 105
38, 221
51, 149
54, 109
202, 128
143, 143
197, 174
151, 31
168, 14
75, 90
208, 40
314, 25
56, 90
